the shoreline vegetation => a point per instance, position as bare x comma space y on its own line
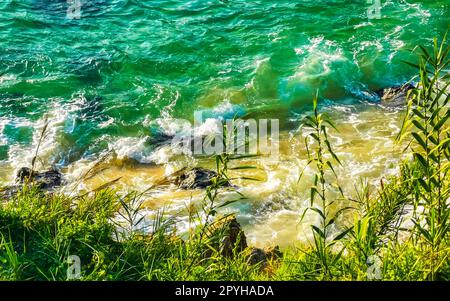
401, 229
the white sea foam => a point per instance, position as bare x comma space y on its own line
19, 156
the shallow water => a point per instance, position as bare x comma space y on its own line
117, 76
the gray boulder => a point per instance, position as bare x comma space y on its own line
45, 180
194, 178
232, 240
8, 192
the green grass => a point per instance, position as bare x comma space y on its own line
38, 231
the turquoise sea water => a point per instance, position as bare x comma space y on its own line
126, 63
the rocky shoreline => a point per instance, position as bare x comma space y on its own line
227, 234
232, 239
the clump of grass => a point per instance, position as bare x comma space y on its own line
378, 221
427, 123
320, 202
204, 242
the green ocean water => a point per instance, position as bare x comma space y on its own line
128, 63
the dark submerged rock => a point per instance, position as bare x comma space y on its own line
159, 138
394, 97
45, 180
195, 178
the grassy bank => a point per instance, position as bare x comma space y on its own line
400, 229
